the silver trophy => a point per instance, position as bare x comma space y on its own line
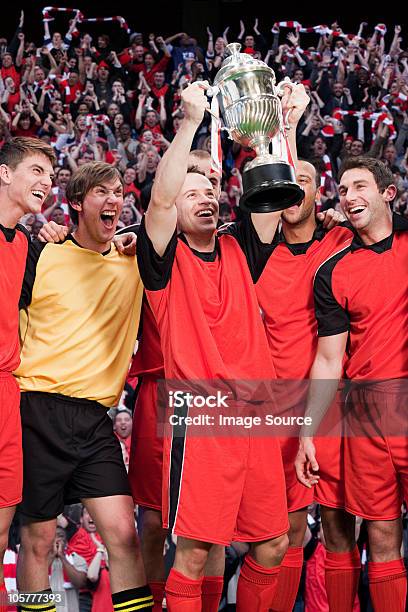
249, 102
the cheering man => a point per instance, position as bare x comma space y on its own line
361, 308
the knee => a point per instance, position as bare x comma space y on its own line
385, 544
280, 547
122, 537
37, 542
193, 561
273, 551
339, 530
152, 529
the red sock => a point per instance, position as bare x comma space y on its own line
288, 580
157, 589
211, 593
388, 585
256, 586
342, 573
183, 594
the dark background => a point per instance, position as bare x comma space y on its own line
194, 15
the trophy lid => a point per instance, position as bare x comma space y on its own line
237, 63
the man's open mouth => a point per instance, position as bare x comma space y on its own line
108, 217
355, 210
38, 194
205, 212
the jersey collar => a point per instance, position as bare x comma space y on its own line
399, 224
205, 256
9, 232
72, 238
300, 248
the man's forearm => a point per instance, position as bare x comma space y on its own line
172, 169
325, 376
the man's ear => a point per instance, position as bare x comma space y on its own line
76, 206
5, 174
390, 193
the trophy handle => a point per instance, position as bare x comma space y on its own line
280, 91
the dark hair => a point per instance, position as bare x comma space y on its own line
380, 171
15, 150
86, 178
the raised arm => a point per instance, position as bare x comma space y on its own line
161, 215
294, 102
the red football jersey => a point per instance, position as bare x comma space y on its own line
149, 358
13, 249
363, 290
208, 317
285, 295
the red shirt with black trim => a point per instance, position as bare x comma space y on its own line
285, 295
13, 249
149, 358
206, 307
363, 290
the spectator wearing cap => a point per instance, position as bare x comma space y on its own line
106, 74
101, 84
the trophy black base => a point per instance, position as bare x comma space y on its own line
269, 188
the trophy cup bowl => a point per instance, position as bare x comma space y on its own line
252, 113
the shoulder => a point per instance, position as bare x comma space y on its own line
24, 231
328, 266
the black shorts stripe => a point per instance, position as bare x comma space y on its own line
178, 442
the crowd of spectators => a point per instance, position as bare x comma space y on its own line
116, 97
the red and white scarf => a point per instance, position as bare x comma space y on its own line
81, 17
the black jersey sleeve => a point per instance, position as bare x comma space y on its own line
34, 251
155, 270
256, 252
332, 318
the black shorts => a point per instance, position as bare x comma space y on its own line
70, 453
